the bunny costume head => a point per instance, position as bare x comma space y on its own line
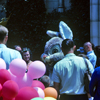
52, 50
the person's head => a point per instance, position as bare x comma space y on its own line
3, 34
97, 50
68, 46
87, 47
26, 54
45, 80
17, 47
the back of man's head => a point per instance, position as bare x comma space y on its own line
67, 44
45, 80
3, 32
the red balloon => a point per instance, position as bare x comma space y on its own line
10, 89
4, 76
8, 99
26, 93
39, 84
1, 98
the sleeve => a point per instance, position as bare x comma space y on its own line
92, 59
57, 56
55, 75
93, 83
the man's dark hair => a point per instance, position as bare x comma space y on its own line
67, 44
97, 50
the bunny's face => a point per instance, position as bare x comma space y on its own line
53, 45
54, 49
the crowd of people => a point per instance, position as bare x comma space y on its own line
68, 73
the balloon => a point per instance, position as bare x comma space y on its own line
37, 98
36, 69
1, 98
49, 98
24, 81
2, 64
0, 89
8, 99
26, 93
37, 83
13, 77
10, 89
4, 76
50, 92
40, 92
18, 67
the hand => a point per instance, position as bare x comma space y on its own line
47, 59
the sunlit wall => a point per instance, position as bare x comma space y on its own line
59, 5
95, 22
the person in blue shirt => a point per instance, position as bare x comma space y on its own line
7, 54
94, 86
90, 53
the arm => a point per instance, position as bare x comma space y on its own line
56, 86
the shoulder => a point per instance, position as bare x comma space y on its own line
97, 69
13, 50
96, 72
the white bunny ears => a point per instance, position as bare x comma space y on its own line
64, 31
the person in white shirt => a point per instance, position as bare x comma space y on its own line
68, 74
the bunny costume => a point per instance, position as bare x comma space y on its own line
52, 50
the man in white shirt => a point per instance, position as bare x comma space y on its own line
68, 74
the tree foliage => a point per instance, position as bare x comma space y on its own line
29, 22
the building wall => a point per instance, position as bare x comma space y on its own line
55, 4
95, 22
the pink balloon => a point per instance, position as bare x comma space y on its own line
26, 93
4, 76
2, 64
10, 89
40, 92
13, 77
36, 69
39, 84
24, 81
18, 67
